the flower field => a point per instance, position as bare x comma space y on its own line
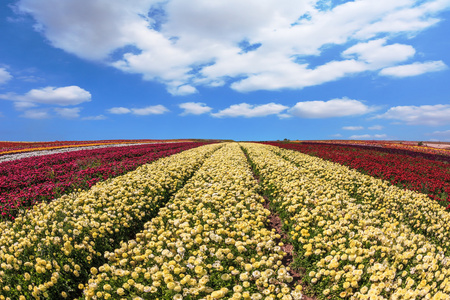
28, 181
423, 172
49, 251
197, 225
433, 148
20, 147
356, 236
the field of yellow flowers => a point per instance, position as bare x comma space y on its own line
196, 225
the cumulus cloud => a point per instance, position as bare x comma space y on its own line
150, 110
182, 90
4, 76
119, 110
95, 118
375, 127
414, 69
284, 116
267, 46
368, 137
353, 128
145, 111
432, 115
23, 105
328, 109
378, 55
251, 111
89, 29
194, 108
283, 73
68, 113
63, 96
37, 114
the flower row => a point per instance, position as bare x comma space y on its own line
48, 252
32, 180
209, 242
14, 147
17, 156
404, 146
426, 173
430, 219
412, 146
350, 247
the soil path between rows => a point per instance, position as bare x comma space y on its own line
276, 223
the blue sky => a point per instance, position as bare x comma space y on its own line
224, 69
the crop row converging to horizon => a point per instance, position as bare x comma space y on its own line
419, 171
31, 180
196, 225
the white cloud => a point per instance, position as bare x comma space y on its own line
183, 90
353, 128
194, 108
380, 136
37, 114
68, 113
251, 111
378, 55
95, 118
68, 95
337, 135
284, 116
409, 19
5, 76
119, 110
20, 105
433, 115
368, 137
329, 109
193, 43
376, 127
284, 73
89, 29
149, 110
414, 69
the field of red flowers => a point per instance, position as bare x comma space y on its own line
225, 221
16, 147
423, 172
28, 181
434, 148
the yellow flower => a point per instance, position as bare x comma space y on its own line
237, 288
217, 294
171, 285
225, 277
120, 291
243, 276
